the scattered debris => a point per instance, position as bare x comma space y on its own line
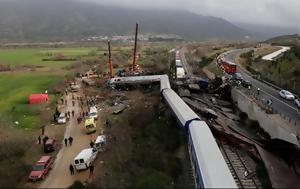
120, 108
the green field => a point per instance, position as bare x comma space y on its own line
33, 56
17, 85
14, 92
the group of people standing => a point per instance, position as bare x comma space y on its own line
269, 102
70, 139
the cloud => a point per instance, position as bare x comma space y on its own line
271, 12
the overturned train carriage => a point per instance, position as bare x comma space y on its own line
208, 163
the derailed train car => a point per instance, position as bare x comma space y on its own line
208, 164
180, 72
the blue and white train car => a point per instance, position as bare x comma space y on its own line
208, 163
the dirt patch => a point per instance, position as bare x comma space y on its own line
5, 67
112, 169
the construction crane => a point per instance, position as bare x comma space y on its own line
134, 65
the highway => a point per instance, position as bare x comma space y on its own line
280, 105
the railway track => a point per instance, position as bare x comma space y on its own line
238, 168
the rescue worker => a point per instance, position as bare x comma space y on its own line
70, 140
107, 123
258, 91
66, 142
71, 169
45, 139
39, 139
92, 144
91, 169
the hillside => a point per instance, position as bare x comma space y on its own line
42, 20
264, 31
285, 40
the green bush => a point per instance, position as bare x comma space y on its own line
77, 185
243, 116
152, 179
154, 156
248, 56
253, 124
263, 175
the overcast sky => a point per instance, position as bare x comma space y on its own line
271, 12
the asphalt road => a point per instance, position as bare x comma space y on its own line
280, 105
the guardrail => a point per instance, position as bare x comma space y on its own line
263, 103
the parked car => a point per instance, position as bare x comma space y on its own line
287, 95
246, 83
93, 113
297, 102
90, 125
41, 168
100, 142
62, 118
49, 145
238, 76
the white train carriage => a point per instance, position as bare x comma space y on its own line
181, 110
208, 163
178, 63
180, 73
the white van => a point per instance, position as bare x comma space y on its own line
100, 142
62, 118
85, 158
93, 113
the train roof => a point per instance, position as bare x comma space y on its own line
178, 64
182, 111
214, 171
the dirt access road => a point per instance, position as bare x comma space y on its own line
59, 176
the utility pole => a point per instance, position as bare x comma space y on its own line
110, 61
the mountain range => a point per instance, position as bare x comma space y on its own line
55, 20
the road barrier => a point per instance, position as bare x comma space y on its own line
276, 128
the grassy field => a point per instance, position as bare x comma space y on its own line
18, 84
15, 89
34, 56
